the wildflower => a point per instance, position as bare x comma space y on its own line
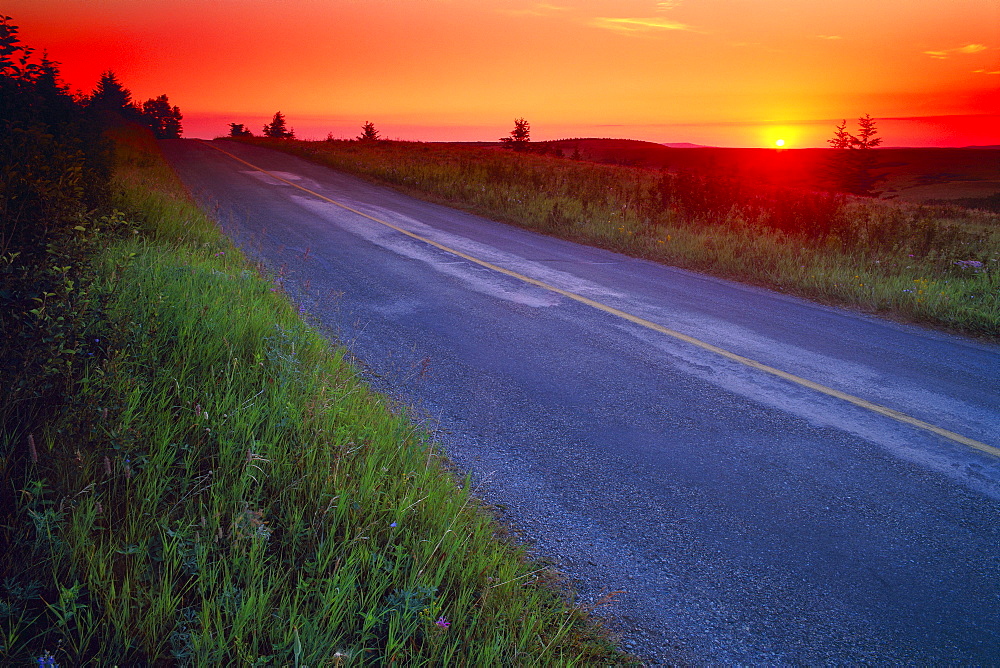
442, 622
47, 660
972, 264
392, 526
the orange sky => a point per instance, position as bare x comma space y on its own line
722, 72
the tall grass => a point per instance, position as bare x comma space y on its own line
935, 265
221, 488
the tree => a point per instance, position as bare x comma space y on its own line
161, 118
111, 97
519, 136
277, 129
841, 137
853, 164
368, 132
239, 130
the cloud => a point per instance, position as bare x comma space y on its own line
968, 49
541, 9
631, 25
829, 36
985, 71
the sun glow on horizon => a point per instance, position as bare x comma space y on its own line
779, 143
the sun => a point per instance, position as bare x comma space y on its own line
779, 143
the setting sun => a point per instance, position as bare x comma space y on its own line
779, 143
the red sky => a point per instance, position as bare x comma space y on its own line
720, 72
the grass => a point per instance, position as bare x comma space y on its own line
933, 265
219, 486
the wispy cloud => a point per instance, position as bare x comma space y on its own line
540, 9
631, 25
829, 37
968, 49
985, 71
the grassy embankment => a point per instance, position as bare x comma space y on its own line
933, 265
218, 487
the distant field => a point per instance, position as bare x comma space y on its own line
915, 175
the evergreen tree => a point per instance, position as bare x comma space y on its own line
852, 166
519, 136
368, 132
111, 97
841, 137
161, 118
277, 129
239, 130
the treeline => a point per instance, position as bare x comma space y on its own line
278, 129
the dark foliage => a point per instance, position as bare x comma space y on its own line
368, 132
54, 174
54, 191
852, 166
717, 198
277, 128
519, 136
161, 118
239, 130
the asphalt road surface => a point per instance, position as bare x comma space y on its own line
741, 515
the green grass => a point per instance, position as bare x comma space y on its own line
219, 487
932, 265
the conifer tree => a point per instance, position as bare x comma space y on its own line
852, 166
277, 129
111, 97
368, 132
519, 136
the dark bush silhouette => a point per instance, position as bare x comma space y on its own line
368, 132
112, 101
161, 118
239, 130
519, 136
277, 129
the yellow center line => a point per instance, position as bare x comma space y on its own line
798, 380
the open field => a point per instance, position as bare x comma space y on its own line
934, 265
916, 175
215, 485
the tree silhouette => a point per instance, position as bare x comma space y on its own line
239, 130
161, 118
368, 132
111, 97
277, 129
519, 136
853, 164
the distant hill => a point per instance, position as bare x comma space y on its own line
630, 152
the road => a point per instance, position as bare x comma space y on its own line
742, 516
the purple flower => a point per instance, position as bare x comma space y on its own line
442, 622
393, 525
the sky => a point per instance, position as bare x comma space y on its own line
713, 72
